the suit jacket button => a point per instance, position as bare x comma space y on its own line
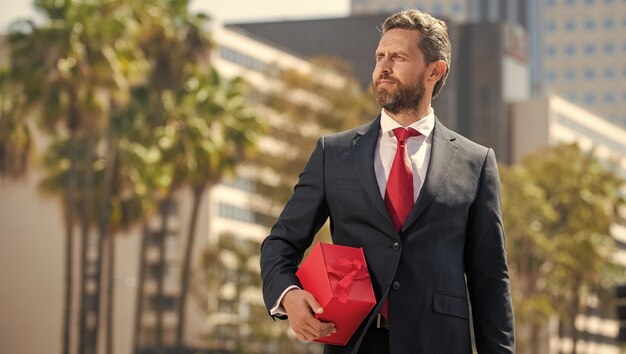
396, 246
395, 285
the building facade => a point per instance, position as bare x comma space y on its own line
577, 47
542, 122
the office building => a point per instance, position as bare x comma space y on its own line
576, 47
543, 122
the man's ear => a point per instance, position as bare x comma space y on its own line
436, 70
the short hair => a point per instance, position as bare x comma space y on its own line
433, 39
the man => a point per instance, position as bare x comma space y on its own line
421, 200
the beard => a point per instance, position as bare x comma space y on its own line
400, 99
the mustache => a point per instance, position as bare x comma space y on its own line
386, 77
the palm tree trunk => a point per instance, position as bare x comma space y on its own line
140, 286
69, 249
185, 270
88, 338
575, 310
165, 209
535, 338
70, 203
105, 237
110, 295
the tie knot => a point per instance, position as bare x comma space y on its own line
402, 134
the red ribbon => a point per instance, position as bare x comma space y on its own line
347, 271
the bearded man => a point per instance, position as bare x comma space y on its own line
421, 200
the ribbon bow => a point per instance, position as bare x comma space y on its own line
347, 271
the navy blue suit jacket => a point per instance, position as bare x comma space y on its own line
451, 245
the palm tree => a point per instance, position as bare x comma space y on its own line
66, 67
175, 43
43, 63
15, 136
215, 130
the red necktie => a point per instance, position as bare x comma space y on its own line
399, 193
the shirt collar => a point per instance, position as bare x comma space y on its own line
424, 125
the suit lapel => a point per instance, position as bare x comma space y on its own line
363, 147
442, 156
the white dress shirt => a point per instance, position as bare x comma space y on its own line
418, 149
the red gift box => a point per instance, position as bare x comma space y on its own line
338, 278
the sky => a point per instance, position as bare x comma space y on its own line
220, 10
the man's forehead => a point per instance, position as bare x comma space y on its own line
399, 38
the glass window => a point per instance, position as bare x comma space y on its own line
589, 2
570, 2
609, 23
590, 48
590, 98
570, 49
232, 212
550, 50
570, 74
550, 75
590, 24
609, 97
550, 26
609, 48
590, 73
457, 8
570, 25
608, 1
239, 58
571, 97
609, 73
550, 2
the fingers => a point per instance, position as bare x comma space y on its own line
313, 304
313, 329
300, 305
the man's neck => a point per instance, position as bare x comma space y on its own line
410, 116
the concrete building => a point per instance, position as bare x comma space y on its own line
542, 122
458, 10
577, 47
583, 54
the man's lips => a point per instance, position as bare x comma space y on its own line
385, 82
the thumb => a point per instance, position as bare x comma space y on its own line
315, 306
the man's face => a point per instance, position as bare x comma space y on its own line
398, 78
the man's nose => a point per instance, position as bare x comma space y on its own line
384, 66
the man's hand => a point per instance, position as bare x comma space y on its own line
300, 305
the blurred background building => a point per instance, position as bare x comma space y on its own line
552, 120
577, 48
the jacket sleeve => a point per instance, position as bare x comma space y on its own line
304, 214
486, 267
